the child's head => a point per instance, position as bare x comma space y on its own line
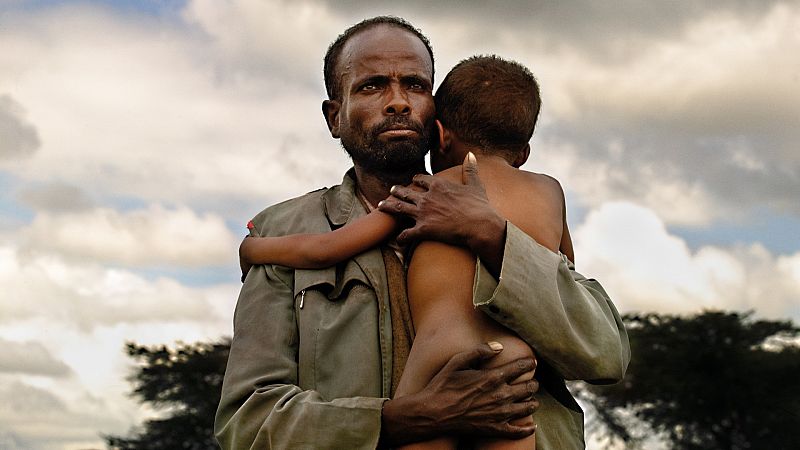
491, 105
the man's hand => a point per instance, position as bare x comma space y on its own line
464, 400
456, 214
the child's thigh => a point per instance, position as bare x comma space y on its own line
435, 345
431, 350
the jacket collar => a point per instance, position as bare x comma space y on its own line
341, 203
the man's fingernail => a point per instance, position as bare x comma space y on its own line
471, 158
393, 189
496, 346
381, 203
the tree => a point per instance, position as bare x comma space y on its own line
185, 382
718, 380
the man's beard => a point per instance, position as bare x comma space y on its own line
392, 157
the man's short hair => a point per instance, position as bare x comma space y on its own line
490, 102
330, 69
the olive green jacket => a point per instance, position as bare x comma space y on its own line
310, 361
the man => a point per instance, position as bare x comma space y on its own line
316, 353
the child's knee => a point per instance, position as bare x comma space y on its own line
513, 348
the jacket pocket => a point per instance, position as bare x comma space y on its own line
337, 322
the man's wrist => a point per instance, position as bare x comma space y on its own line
396, 427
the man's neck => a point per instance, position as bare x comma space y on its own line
375, 186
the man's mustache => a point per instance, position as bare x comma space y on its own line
396, 122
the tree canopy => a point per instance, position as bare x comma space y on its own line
183, 382
718, 380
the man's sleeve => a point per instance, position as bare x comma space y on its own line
262, 407
567, 319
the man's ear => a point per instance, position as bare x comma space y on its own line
330, 109
522, 156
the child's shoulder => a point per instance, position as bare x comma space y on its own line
542, 179
490, 173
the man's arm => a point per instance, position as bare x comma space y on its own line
568, 319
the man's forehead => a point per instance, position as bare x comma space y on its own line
385, 42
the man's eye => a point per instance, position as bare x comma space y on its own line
369, 87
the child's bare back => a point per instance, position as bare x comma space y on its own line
440, 277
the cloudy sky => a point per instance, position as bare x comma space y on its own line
138, 137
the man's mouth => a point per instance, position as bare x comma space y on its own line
399, 131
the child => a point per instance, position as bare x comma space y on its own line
487, 106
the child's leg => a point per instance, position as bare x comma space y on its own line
429, 353
446, 323
434, 346
518, 349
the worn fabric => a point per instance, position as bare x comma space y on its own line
311, 357
400, 312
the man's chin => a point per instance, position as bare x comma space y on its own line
390, 156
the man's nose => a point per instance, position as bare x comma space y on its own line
398, 103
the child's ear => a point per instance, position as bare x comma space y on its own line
330, 109
522, 156
445, 139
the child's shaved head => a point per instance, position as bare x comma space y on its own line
490, 103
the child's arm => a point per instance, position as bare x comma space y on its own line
320, 250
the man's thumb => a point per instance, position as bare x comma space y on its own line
469, 170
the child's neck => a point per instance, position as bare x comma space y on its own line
461, 149
489, 158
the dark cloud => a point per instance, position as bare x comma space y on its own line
604, 29
30, 358
18, 138
56, 197
740, 171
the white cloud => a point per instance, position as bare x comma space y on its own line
154, 113
645, 268
36, 418
151, 236
282, 40
89, 295
60, 317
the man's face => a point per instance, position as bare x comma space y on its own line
385, 116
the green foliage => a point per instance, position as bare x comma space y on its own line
185, 383
718, 380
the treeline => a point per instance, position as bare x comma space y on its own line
716, 380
